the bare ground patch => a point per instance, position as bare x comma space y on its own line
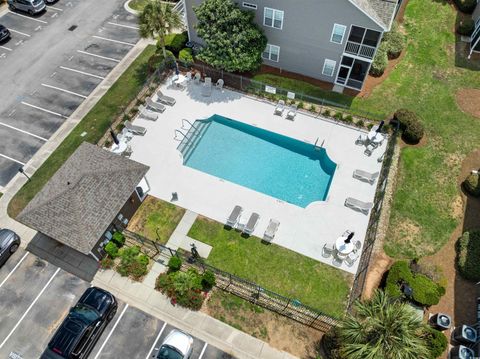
468, 101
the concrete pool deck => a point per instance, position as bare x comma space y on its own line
303, 230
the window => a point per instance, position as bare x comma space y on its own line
338, 33
271, 53
329, 67
273, 18
249, 5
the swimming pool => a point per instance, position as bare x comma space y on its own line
282, 167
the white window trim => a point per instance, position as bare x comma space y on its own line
331, 62
273, 18
269, 58
333, 32
249, 5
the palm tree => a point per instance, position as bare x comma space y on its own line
158, 19
382, 329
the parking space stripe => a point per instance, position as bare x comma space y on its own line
14, 269
18, 32
156, 340
82, 72
63, 90
12, 159
126, 26
23, 131
111, 332
203, 351
6, 48
28, 17
43, 109
111, 40
95, 55
54, 8
29, 308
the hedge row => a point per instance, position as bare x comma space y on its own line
468, 253
410, 125
392, 45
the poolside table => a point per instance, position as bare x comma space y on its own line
375, 137
343, 248
120, 148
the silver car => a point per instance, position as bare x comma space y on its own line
31, 6
9, 243
177, 345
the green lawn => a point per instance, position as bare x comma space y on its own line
275, 268
95, 124
156, 219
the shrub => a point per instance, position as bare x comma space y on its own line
183, 288
300, 105
465, 27
174, 42
348, 119
186, 56
157, 60
472, 184
410, 124
395, 44
331, 344
119, 239
208, 280
436, 341
327, 112
106, 263
380, 62
360, 123
312, 108
466, 6
468, 252
132, 263
338, 116
174, 264
111, 249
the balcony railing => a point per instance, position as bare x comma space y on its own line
361, 50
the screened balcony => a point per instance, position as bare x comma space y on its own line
362, 42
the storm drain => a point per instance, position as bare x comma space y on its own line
73, 27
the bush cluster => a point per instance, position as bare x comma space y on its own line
466, 6
436, 341
394, 42
472, 184
185, 288
156, 60
174, 42
132, 262
425, 291
380, 62
186, 56
119, 239
465, 27
468, 252
410, 124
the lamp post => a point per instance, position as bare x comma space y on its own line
23, 173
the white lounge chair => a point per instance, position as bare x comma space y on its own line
147, 114
351, 258
327, 251
207, 87
279, 108
369, 150
234, 216
356, 204
219, 84
361, 140
188, 76
251, 224
136, 130
271, 230
125, 135
155, 106
366, 176
167, 100
197, 78
292, 112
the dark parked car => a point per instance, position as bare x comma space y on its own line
4, 33
83, 326
9, 243
31, 6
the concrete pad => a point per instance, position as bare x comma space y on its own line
248, 343
105, 275
270, 353
202, 248
216, 328
138, 290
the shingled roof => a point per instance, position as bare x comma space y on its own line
381, 11
82, 198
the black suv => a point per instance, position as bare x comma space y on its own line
83, 326
4, 33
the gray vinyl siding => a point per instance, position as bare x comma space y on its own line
304, 40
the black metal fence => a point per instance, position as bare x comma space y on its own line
372, 230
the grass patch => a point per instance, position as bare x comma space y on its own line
275, 268
95, 124
156, 219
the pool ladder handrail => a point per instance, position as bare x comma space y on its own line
180, 132
316, 146
187, 121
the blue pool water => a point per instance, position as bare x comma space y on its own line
276, 165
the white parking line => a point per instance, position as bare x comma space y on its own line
127, 26
18, 32
63, 90
23, 131
14, 269
43, 109
12, 159
111, 40
111, 332
156, 340
5, 48
95, 55
203, 351
81, 72
54, 8
29, 308
28, 17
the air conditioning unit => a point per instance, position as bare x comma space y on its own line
465, 334
440, 321
461, 352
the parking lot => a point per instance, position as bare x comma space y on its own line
35, 296
52, 62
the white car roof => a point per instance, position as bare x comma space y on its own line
179, 340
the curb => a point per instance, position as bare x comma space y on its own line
127, 7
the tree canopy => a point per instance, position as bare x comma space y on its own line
233, 42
